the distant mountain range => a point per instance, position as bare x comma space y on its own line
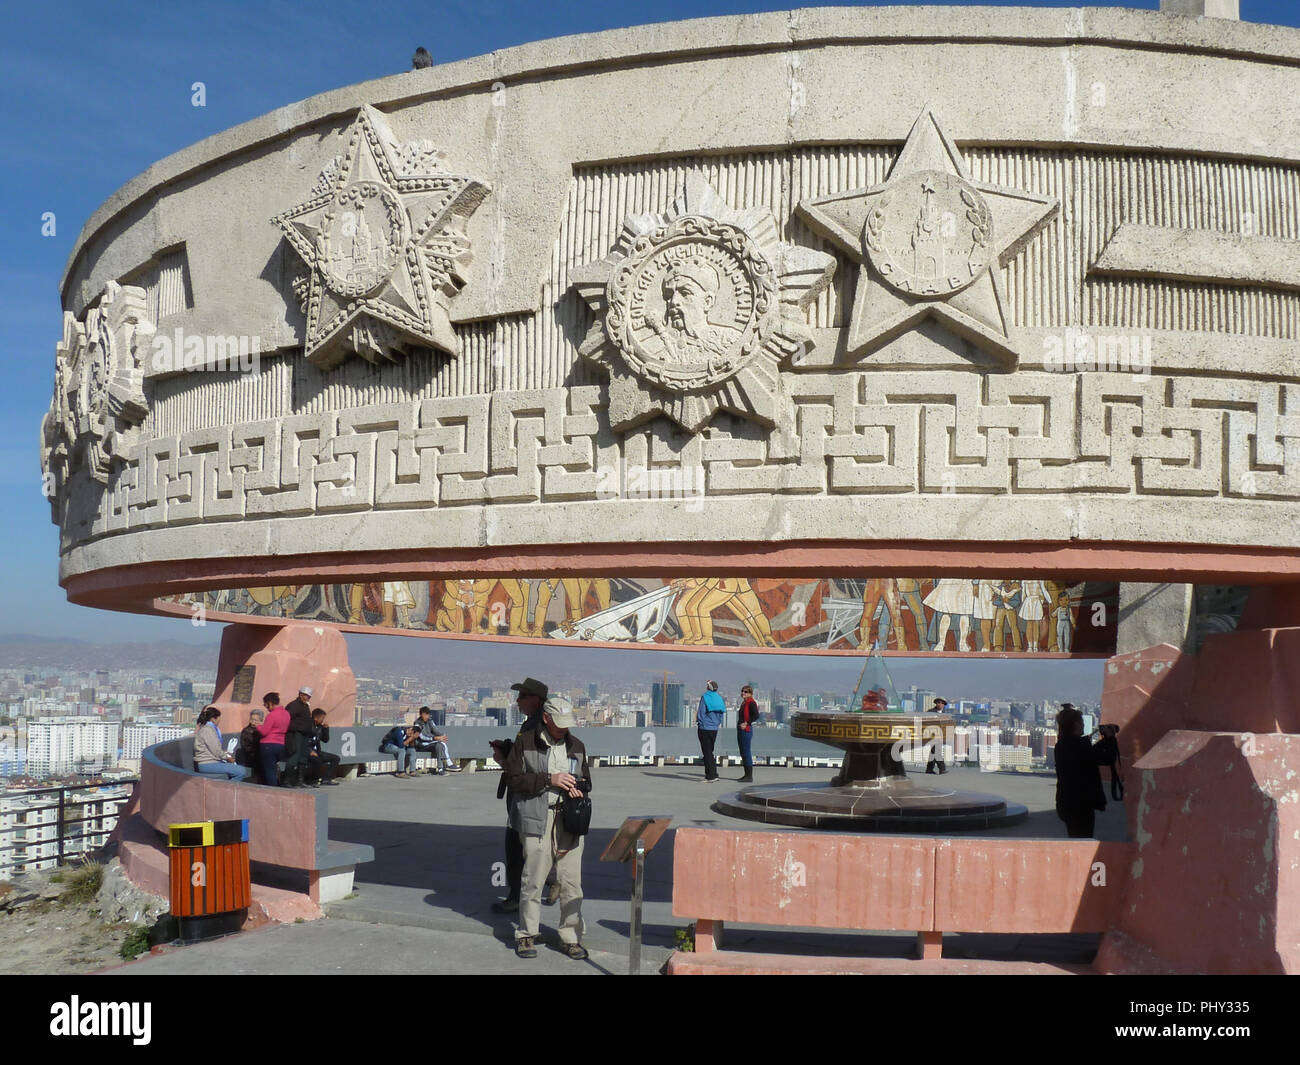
466, 663
456, 664
20, 651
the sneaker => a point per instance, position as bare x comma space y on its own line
524, 947
453, 768
505, 906
576, 951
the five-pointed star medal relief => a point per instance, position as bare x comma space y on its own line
932, 243
383, 237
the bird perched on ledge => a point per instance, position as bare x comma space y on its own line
421, 59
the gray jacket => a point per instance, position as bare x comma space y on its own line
206, 747
529, 781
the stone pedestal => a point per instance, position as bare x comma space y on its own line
256, 659
871, 793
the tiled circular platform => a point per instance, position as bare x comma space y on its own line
892, 805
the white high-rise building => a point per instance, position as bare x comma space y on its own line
135, 738
29, 825
70, 745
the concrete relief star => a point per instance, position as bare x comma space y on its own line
932, 243
383, 237
696, 309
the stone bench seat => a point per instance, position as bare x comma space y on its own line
924, 885
289, 841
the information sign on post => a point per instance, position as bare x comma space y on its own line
636, 838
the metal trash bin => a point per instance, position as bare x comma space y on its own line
210, 879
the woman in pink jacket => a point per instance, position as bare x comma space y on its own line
272, 732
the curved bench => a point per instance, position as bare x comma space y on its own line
288, 829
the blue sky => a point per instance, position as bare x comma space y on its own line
95, 93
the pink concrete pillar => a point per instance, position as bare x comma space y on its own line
1215, 882
256, 659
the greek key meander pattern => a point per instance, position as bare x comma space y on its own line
853, 731
846, 433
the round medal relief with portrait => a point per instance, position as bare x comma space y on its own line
361, 238
693, 303
929, 234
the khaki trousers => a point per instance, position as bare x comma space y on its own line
539, 856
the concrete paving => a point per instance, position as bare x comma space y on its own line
424, 904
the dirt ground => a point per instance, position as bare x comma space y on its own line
46, 939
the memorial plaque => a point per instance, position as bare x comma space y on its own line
242, 690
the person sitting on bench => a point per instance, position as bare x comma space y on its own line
400, 741
432, 739
320, 763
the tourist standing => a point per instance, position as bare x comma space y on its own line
297, 741
546, 764
936, 746
708, 719
532, 696
272, 732
1079, 793
746, 716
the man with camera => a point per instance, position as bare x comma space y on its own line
1079, 794
546, 765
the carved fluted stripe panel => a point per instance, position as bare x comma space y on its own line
191, 402
1223, 195
172, 295
1166, 304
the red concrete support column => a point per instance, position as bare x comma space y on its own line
256, 659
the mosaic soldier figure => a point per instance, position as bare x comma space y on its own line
874, 591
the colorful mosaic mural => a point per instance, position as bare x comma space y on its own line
889, 614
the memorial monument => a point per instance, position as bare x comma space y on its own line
961, 330
871, 792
